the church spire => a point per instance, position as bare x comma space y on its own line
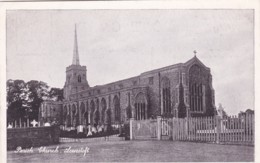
75, 60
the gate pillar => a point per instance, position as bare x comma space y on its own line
159, 127
218, 128
131, 128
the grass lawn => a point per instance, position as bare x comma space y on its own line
138, 151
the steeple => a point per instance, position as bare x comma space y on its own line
75, 60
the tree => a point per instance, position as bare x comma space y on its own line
16, 99
56, 94
37, 93
24, 99
222, 112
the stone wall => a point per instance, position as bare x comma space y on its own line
32, 137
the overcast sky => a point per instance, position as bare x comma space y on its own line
117, 44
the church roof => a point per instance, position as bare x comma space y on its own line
195, 60
177, 65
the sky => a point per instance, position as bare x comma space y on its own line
118, 44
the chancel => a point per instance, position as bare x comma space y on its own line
179, 90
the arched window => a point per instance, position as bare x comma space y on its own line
128, 108
79, 79
108, 116
68, 119
82, 111
85, 122
86, 115
74, 110
64, 114
82, 108
74, 117
196, 96
103, 109
117, 109
96, 114
166, 96
92, 109
140, 107
96, 117
196, 89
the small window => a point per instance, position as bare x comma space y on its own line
79, 79
134, 82
150, 80
109, 89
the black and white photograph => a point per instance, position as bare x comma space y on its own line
129, 84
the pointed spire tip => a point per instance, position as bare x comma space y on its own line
75, 60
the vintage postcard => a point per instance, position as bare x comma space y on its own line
131, 81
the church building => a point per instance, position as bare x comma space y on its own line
179, 90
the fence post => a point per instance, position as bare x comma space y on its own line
186, 133
174, 128
20, 123
218, 130
131, 128
28, 123
159, 127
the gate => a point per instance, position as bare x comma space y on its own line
166, 128
144, 129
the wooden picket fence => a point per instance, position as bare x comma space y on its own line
229, 130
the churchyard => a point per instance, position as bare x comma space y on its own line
117, 150
209, 139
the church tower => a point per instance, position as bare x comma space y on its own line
76, 78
